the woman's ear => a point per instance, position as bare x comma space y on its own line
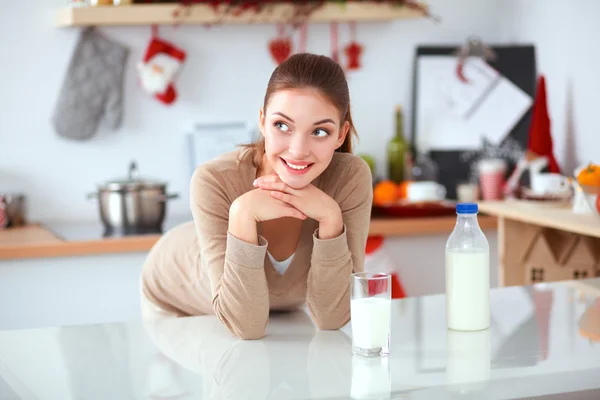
343, 132
261, 121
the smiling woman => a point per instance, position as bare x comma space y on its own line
279, 223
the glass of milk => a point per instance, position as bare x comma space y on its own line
370, 313
467, 273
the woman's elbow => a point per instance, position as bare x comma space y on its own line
331, 322
250, 333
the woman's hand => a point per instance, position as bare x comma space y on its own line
258, 205
309, 200
254, 206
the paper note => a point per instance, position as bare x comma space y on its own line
208, 141
500, 110
456, 115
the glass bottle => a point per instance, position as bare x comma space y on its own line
467, 273
396, 150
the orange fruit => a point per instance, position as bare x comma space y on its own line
589, 176
385, 192
402, 189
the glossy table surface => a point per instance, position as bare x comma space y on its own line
544, 342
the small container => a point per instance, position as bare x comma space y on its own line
467, 273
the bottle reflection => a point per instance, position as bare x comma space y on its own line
370, 378
468, 360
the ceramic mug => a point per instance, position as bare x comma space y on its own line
549, 183
425, 191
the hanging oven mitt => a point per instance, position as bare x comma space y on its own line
92, 88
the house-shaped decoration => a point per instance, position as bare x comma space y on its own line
556, 256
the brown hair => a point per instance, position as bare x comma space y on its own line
305, 70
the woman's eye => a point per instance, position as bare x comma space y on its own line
321, 133
281, 126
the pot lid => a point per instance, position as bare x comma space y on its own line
133, 181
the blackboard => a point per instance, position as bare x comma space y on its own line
518, 64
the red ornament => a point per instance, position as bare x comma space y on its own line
353, 50
281, 47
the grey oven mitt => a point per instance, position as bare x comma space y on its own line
92, 88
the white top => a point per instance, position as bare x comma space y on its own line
281, 266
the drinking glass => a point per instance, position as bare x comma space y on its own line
370, 313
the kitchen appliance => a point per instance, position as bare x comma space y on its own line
13, 206
132, 205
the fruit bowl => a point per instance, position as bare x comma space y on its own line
421, 209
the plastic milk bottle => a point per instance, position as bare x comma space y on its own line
467, 273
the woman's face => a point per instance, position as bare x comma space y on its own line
302, 129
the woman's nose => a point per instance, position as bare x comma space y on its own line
299, 146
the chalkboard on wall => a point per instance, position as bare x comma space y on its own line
517, 64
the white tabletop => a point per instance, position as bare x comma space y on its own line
541, 343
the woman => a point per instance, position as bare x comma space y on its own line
278, 223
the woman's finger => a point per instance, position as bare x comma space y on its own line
279, 186
266, 178
285, 197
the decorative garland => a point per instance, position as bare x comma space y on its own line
303, 9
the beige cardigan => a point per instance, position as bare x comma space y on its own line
199, 268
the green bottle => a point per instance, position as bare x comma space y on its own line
396, 150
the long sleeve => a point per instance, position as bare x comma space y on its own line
240, 296
334, 260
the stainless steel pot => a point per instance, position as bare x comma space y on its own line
132, 205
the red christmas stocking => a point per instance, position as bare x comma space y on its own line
158, 69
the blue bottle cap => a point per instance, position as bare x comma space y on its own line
467, 208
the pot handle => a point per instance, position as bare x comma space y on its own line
92, 196
165, 197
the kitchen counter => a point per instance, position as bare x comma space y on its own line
544, 341
86, 238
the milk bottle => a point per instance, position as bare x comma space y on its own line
467, 273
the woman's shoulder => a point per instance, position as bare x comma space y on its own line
348, 164
346, 175
230, 171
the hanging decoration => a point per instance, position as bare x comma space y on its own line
335, 53
281, 47
159, 67
353, 50
303, 38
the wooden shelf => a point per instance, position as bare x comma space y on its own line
163, 14
560, 217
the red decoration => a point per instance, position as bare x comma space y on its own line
335, 53
281, 47
540, 138
353, 50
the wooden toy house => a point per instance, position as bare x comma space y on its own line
555, 256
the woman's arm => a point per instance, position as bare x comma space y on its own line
334, 259
233, 255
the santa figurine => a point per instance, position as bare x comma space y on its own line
158, 69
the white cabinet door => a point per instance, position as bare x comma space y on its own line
69, 290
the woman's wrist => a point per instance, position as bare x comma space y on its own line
242, 224
332, 226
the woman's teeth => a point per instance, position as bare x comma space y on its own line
294, 166
297, 166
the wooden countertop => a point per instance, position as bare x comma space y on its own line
37, 241
559, 217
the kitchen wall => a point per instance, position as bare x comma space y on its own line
565, 35
224, 79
